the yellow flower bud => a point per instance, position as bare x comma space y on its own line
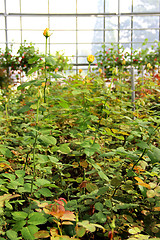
80, 70
9, 86
123, 62
56, 69
100, 70
90, 58
46, 33
43, 84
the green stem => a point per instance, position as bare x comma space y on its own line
34, 164
6, 108
45, 73
34, 147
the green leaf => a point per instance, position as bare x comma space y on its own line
45, 192
19, 225
32, 60
64, 148
19, 215
142, 145
154, 154
49, 60
6, 152
100, 217
80, 231
26, 84
98, 206
41, 182
108, 203
48, 140
116, 181
64, 104
36, 218
55, 75
24, 109
32, 70
29, 231
11, 234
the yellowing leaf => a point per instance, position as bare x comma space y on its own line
4, 166
141, 183
156, 208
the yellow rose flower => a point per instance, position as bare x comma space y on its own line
123, 62
90, 58
149, 66
43, 84
100, 70
56, 69
80, 70
46, 33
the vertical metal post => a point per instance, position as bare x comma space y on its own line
76, 40
133, 88
6, 28
118, 23
49, 42
104, 22
132, 28
20, 19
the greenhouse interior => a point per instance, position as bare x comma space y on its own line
79, 119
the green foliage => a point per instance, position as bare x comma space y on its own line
82, 164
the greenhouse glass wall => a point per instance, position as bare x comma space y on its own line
79, 27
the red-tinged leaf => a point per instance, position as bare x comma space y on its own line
67, 215
54, 231
42, 234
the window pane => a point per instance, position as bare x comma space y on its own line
90, 23
125, 6
13, 22
84, 49
125, 22
33, 36
111, 6
111, 36
36, 6
63, 23
14, 36
69, 49
63, 37
111, 23
62, 6
13, 6
90, 6
2, 38
38, 23
146, 22
1, 6
141, 35
2, 46
125, 36
146, 6
90, 36
2, 22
